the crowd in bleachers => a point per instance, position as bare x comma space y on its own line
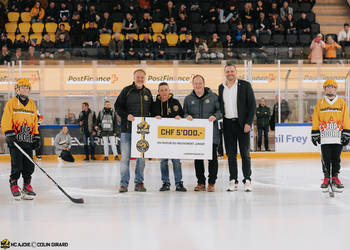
153, 29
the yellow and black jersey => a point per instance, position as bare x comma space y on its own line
20, 117
330, 120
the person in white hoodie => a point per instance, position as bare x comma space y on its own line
63, 144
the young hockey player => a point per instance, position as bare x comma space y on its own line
20, 124
331, 129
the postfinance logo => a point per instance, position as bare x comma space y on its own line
5, 244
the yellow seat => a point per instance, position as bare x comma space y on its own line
141, 36
182, 37
155, 36
117, 27
52, 37
26, 17
11, 27
13, 16
36, 36
18, 36
172, 39
38, 27
51, 27
86, 25
134, 35
104, 39
157, 27
66, 26
11, 36
24, 27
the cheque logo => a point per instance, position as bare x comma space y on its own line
142, 128
5, 244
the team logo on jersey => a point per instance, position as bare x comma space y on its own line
176, 108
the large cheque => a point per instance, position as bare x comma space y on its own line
170, 138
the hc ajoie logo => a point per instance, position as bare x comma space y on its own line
5, 244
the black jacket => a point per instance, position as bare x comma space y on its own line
137, 102
169, 109
262, 116
245, 102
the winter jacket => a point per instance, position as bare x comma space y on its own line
107, 122
204, 107
262, 116
62, 141
89, 121
169, 109
137, 102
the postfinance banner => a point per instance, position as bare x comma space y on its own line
171, 138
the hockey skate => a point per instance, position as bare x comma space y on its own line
338, 186
27, 192
325, 185
15, 190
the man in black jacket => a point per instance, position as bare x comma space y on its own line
135, 100
87, 122
168, 107
262, 122
237, 103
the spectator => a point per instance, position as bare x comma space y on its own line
91, 37
145, 5
64, 13
63, 48
274, 10
5, 56
248, 14
157, 15
303, 25
284, 113
14, 5
106, 24
187, 47
82, 13
70, 118
262, 122
170, 27
215, 47
63, 144
229, 46
260, 7
237, 33
132, 6
159, 48
117, 6
129, 24
289, 25
37, 13
256, 48
194, 6
317, 46
249, 32
51, 13
21, 43
76, 30
4, 41
344, 36
62, 30
169, 12
276, 24
230, 15
116, 48
212, 16
183, 25
87, 122
200, 48
33, 42
146, 48
25, 5
92, 15
285, 11
331, 48
145, 26
131, 47
183, 10
70, 5
18, 56
243, 46
31, 55
47, 47
262, 25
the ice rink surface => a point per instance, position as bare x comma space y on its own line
286, 210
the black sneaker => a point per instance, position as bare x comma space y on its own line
165, 187
180, 188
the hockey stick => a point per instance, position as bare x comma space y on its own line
79, 200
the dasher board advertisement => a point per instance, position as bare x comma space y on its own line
172, 139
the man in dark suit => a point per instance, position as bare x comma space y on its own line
237, 103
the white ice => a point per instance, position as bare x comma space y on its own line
286, 210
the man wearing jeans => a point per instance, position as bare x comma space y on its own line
87, 121
168, 107
135, 100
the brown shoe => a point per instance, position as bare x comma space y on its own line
211, 188
199, 187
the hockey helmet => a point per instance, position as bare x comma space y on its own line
22, 82
330, 83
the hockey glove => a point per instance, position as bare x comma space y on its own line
315, 137
345, 138
36, 142
10, 138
